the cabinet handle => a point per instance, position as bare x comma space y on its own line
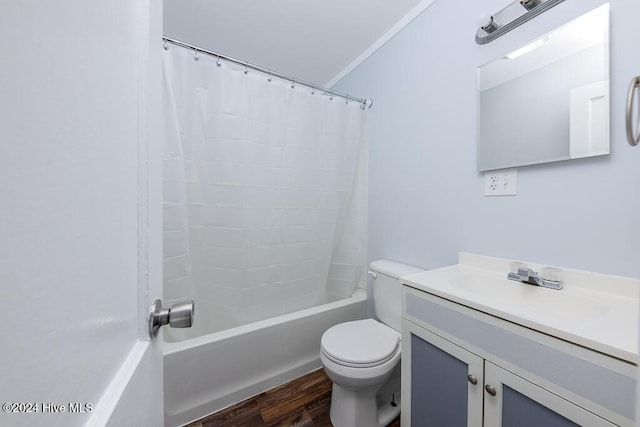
472, 379
490, 389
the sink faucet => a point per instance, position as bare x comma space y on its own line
527, 275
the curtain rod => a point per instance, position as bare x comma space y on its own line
365, 103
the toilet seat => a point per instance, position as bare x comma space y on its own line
360, 344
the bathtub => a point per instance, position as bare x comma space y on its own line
205, 374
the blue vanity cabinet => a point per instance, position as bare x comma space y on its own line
446, 385
464, 368
511, 401
445, 381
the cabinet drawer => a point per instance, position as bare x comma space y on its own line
599, 383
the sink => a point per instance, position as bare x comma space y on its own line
531, 298
594, 310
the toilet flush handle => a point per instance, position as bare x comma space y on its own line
372, 274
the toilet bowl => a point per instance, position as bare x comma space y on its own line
361, 356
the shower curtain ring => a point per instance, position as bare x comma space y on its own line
347, 101
164, 45
195, 55
331, 95
293, 82
269, 76
313, 89
218, 63
246, 68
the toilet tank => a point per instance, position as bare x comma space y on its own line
386, 290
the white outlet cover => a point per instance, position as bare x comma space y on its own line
502, 182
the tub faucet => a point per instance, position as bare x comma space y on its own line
527, 275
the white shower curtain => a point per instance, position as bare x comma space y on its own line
264, 194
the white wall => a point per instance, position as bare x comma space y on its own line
426, 199
71, 117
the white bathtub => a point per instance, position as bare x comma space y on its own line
205, 374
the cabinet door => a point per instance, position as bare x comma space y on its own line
511, 401
441, 382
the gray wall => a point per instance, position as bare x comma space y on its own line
425, 197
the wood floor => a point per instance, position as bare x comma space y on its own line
303, 402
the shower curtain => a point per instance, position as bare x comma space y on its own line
264, 194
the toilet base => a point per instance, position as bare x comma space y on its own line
360, 409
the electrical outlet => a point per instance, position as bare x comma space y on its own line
501, 182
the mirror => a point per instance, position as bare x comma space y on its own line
548, 100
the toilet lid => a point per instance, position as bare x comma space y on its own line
360, 343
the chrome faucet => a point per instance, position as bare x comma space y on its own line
527, 275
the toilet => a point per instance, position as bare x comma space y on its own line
363, 356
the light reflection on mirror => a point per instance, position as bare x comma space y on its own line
549, 99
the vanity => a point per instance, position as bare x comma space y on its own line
481, 350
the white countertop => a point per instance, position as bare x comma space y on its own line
596, 311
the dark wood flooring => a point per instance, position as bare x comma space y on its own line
303, 402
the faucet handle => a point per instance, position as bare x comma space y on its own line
515, 266
519, 272
551, 273
526, 272
551, 278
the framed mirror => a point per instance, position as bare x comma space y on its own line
549, 99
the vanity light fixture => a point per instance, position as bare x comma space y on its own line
512, 16
528, 48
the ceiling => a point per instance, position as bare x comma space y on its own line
312, 40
